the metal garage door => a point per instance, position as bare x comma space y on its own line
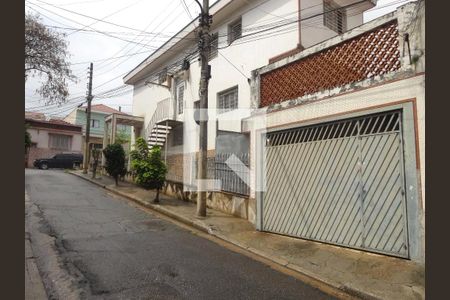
340, 183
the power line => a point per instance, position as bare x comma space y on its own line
169, 23
232, 65
112, 14
101, 32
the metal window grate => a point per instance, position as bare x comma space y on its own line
334, 18
228, 100
234, 31
367, 125
60, 142
231, 179
180, 97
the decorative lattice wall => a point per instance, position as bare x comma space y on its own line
372, 53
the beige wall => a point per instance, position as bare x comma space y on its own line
41, 138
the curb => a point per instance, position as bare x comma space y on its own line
155, 207
349, 291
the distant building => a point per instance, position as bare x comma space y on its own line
97, 130
51, 137
34, 115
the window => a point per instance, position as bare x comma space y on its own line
234, 30
60, 142
334, 18
214, 45
122, 127
227, 100
180, 96
95, 123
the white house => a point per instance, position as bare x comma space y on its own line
246, 35
326, 112
338, 139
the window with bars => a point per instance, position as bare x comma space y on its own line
180, 96
227, 100
60, 141
214, 45
234, 31
334, 17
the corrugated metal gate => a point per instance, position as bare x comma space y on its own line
339, 182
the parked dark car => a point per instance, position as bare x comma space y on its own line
62, 160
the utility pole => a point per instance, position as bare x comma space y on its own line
88, 123
203, 44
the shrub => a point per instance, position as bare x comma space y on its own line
115, 161
27, 139
149, 168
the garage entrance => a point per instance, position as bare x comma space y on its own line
339, 182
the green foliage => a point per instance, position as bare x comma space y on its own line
46, 56
27, 139
148, 166
122, 137
115, 161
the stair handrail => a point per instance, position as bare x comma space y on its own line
161, 112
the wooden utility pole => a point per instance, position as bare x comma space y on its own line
203, 44
88, 123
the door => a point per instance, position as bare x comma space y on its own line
339, 182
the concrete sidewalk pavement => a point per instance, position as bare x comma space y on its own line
356, 273
34, 287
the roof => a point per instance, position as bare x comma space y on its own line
178, 38
55, 124
34, 115
104, 109
220, 10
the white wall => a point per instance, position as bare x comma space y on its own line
244, 56
39, 136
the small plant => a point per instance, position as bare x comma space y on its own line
96, 157
27, 139
115, 161
149, 168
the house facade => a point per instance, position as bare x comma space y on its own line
246, 35
52, 137
339, 139
315, 132
97, 129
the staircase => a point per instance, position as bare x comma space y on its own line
160, 124
157, 135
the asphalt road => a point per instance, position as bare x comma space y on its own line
114, 250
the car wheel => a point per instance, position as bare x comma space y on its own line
44, 166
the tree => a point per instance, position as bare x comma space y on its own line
115, 161
27, 139
96, 157
46, 56
149, 167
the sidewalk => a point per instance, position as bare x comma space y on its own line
357, 273
34, 288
